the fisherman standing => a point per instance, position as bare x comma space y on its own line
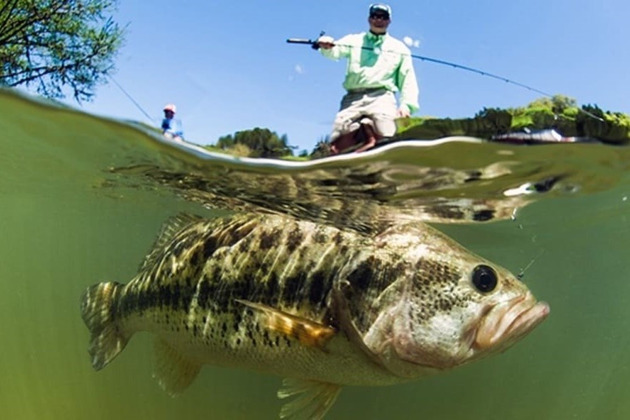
171, 127
379, 65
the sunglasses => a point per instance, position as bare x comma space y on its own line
379, 17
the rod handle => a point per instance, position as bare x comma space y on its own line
313, 44
300, 41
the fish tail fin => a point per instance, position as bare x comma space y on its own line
98, 313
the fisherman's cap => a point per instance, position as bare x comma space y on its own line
170, 107
381, 7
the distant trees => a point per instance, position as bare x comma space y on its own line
564, 114
322, 148
557, 103
559, 112
261, 142
54, 45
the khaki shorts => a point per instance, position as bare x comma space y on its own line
375, 107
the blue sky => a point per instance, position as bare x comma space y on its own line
227, 67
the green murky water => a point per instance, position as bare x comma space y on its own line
82, 200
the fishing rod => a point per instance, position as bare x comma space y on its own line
315, 46
130, 98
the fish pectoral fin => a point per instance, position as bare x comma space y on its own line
173, 371
309, 399
307, 332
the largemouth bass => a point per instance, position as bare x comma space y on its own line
320, 306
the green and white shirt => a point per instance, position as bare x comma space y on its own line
377, 61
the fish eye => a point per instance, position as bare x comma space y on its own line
484, 278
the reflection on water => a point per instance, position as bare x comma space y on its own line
83, 198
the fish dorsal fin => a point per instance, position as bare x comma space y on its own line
168, 231
307, 332
173, 371
308, 399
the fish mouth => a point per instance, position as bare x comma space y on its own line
507, 322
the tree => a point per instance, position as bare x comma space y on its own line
322, 148
261, 141
557, 103
225, 142
55, 45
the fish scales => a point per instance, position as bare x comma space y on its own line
309, 301
286, 265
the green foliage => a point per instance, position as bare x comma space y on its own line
557, 103
241, 150
546, 112
615, 125
559, 112
533, 117
492, 120
54, 45
260, 141
322, 148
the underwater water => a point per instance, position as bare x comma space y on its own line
83, 198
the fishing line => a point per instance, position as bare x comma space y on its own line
130, 98
522, 273
315, 46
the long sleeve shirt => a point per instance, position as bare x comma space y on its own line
377, 61
172, 126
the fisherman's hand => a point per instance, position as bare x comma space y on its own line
403, 112
326, 42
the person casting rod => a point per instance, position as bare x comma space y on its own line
315, 45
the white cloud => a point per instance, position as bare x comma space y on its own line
411, 42
299, 69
